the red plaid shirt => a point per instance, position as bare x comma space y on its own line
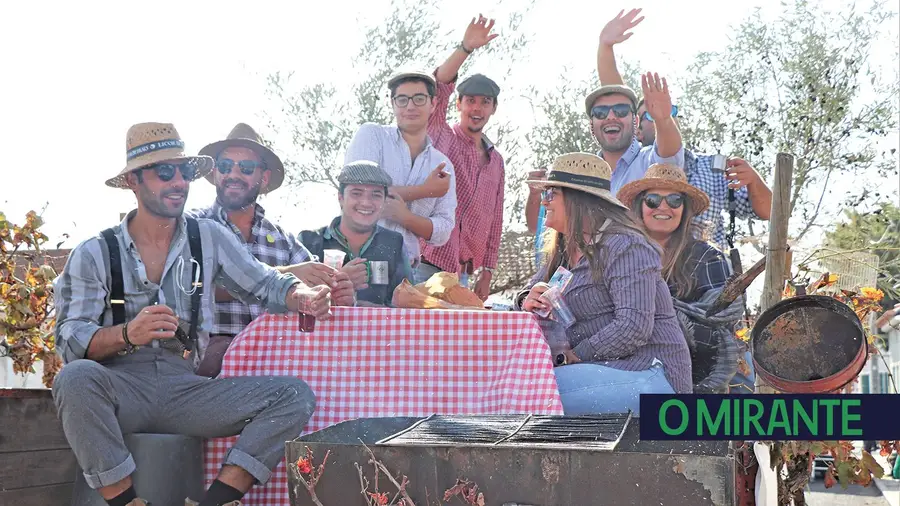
479, 193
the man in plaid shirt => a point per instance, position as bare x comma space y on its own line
752, 199
480, 172
245, 168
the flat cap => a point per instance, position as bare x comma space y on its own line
416, 73
364, 172
609, 89
478, 85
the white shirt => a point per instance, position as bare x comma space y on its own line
384, 145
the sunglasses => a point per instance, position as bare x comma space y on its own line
602, 111
248, 167
653, 200
646, 115
166, 171
547, 194
419, 99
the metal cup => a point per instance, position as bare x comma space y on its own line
718, 163
378, 272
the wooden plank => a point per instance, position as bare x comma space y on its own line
38, 496
34, 469
30, 423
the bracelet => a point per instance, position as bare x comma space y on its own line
463, 47
129, 346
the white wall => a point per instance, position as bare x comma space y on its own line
8, 379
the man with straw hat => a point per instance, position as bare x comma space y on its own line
245, 168
123, 302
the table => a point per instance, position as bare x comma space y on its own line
380, 362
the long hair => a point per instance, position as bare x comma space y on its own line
585, 214
677, 269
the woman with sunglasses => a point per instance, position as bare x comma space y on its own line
625, 339
695, 271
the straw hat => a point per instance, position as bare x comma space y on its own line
151, 143
581, 171
663, 176
243, 136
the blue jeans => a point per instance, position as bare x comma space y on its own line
586, 388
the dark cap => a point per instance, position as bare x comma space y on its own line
478, 85
364, 172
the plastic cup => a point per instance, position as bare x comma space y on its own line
334, 258
307, 322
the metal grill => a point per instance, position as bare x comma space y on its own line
589, 432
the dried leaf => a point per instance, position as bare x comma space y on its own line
872, 465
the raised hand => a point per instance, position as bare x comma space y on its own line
438, 182
615, 31
478, 33
656, 96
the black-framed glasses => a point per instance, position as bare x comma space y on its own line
247, 167
654, 200
647, 116
547, 194
419, 99
602, 111
166, 171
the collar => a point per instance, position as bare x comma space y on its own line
333, 231
460, 133
129, 241
628, 156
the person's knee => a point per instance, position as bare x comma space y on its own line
300, 398
77, 378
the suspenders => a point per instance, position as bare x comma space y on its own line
117, 284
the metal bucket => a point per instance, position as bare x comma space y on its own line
809, 344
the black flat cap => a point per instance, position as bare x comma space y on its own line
478, 85
364, 172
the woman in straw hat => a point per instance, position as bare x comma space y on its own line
625, 340
695, 271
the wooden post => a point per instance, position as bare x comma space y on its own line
776, 251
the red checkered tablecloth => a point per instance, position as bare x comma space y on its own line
377, 362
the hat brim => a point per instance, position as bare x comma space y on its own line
272, 161
204, 167
699, 200
610, 89
599, 192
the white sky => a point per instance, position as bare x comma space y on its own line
78, 74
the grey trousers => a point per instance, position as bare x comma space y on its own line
155, 390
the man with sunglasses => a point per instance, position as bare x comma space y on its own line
120, 304
736, 181
246, 168
421, 205
480, 173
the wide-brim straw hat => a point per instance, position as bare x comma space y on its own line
244, 136
585, 172
151, 143
663, 176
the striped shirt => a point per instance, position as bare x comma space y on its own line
627, 319
81, 293
384, 145
479, 190
270, 245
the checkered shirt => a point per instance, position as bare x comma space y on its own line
698, 169
479, 193
270, 245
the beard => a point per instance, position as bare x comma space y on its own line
618, 145
157, 205
240, 201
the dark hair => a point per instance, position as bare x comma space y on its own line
412, 79
343, 186
495, 99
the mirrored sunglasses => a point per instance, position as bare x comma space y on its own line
247, 167
654, 200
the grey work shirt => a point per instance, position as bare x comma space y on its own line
82, 291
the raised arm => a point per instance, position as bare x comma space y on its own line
614, 33
477, 35
659, 106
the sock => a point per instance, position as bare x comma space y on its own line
124, 498
220, 493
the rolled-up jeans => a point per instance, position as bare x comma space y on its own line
586, 388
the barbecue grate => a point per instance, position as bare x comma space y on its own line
587, 432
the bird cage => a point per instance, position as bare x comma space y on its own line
854, 269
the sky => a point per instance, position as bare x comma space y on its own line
82, 72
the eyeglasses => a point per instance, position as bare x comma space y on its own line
646, 115
547, 194
419, 99
166, 171
653, 200
248, 167
602, 111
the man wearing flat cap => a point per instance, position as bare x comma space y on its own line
377, 260
245, 168
480, 170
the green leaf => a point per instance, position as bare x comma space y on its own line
872, 465
816, 448
845, 473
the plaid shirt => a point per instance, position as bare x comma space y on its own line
270, 245
479, 193
698, 169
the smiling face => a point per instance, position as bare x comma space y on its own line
161, 198
475, 111
615, 129
417, 102
243, 177
554, 203
663, 220
361, 206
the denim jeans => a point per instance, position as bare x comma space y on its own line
586, 388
